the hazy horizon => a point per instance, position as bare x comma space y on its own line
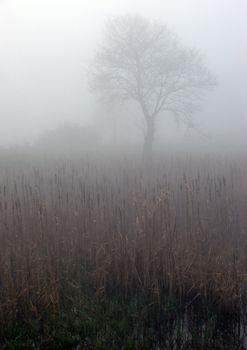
45, 47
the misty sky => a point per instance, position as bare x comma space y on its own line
46, 45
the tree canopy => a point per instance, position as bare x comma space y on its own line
144, 61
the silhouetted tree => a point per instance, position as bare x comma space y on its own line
143, 61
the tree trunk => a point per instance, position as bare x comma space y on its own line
149, 139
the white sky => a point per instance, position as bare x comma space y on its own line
45, 45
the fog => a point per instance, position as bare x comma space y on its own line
46, 48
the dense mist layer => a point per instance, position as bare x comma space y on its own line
123, 174
46, 49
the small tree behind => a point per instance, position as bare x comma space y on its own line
143, 61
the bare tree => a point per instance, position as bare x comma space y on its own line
143, 61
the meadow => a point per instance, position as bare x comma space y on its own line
115, 253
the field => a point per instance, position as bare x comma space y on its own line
114, 253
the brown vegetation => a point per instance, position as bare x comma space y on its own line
177, 227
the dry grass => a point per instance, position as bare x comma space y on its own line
176, 227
